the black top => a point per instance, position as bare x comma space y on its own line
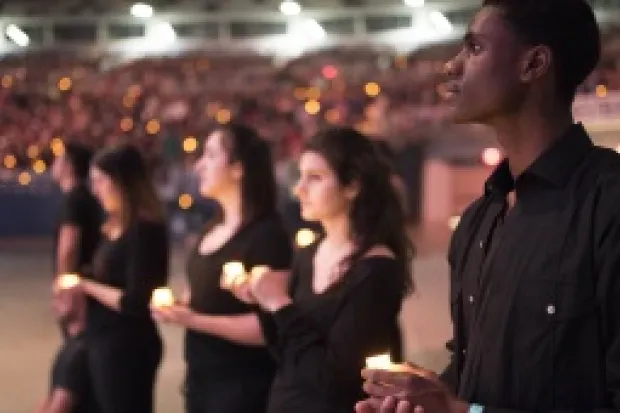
81, 209
70, 373
536, 295
261, 242
322, 340
137, 263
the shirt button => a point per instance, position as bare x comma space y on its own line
551, 309
471, 299
481, 244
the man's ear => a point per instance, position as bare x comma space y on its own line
536, 63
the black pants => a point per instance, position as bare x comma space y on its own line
123, 371
219, 392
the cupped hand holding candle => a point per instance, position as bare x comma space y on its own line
162, 297
67, 281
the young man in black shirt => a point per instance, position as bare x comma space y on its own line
79, 224
535, 262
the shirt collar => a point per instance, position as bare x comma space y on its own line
555, 166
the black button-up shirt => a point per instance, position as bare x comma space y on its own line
535, 292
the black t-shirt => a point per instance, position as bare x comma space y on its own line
321, 341
70, 373
137, 263
81, 209
261, 242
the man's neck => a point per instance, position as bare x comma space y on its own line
526, 136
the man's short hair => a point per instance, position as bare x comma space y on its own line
567, 27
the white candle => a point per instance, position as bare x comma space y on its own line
162, 297
259, 270
233, 272
66, 281
305, 237
380, 362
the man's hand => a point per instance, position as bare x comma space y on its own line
407, 390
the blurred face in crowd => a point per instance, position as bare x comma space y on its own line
216, 174
320, 193
485, 77
105, 190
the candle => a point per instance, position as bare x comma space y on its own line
162, 297
380, 362
233, 273
305, 237
66, 281
259, 270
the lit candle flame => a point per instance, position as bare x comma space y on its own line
162, 297
233, 273
66, 281
380, 362
305, 237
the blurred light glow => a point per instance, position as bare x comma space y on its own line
185, 201
39, 166
64, 84
440, 22
312, 107
160, 34
414, 3
57, 146
10, 161
601, 91
24, 178
190, 144
32, 151
372, 89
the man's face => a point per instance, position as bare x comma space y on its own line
484, 78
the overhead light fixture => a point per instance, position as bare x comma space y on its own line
17, 35
414, 3
141, 10
290, 8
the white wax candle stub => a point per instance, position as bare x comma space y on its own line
162, 297
381, 362
66, 281
234, 272
259, 270
305, 237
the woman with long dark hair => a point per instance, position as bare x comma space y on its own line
342, 302
229, 370
123, 344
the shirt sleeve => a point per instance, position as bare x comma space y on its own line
147, 268
331, 361
73, 210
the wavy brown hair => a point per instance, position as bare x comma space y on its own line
126, 167
377, 216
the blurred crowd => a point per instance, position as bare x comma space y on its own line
166, 105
